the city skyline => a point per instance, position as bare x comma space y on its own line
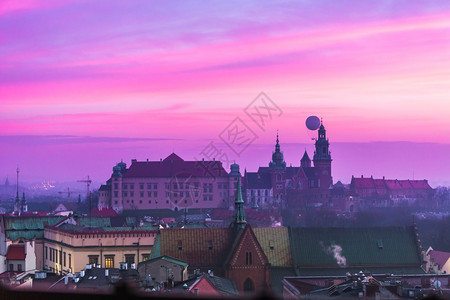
86, 84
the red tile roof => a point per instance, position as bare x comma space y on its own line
103, 212
363, 182
16, 252
420, 184
173, 165
201, 247
392, 184
439, 257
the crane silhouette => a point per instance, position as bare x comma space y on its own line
68, 192
88, 182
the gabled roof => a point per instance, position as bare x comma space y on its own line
104, 187
166, 258
103, 212
235, 251
258, 180
173, 165
354, 247
174, 157
276, 245
439, 257
305, 157
200, 247
16, 252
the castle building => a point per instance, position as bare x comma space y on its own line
281, 186
171, 183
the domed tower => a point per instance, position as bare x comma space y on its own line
277, 158
322, 159
234, 176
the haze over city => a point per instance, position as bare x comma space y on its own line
85, 84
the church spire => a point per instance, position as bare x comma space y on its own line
322, 152
277, 157
239, 221
17, 200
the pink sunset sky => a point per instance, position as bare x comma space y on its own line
84, 84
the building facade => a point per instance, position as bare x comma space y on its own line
69, 247
171, 183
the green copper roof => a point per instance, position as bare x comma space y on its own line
239, 215
166, 258
28, 227
354, 247
94, 222
156, 249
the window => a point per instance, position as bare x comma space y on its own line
131, 194
155, 194
11, 267
149, 186
145, 256
210, 188
70, 260
125, 186
116, 194
46, 252
248, 258
109, 261
155, 186
19, 267
131, 186
125, 194
149, 201
180, 245
93, 259
129, 259
141, 194
141, 186
116, 186
64, 256
149, 194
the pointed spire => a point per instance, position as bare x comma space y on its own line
277, 156
239, 215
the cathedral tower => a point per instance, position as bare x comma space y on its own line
322, 159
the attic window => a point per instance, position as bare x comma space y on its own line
380, 244
271, 246
180, 245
